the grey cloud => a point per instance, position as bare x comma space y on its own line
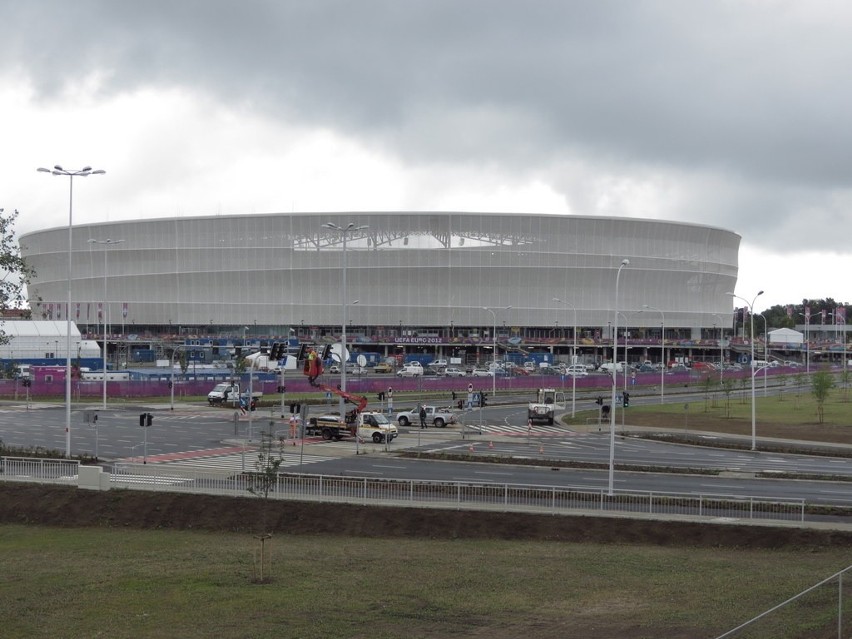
752, 95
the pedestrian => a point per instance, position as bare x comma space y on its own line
422, 416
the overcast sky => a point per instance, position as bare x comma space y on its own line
732, 114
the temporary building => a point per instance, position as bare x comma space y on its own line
782, 336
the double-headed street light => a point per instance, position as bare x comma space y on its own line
344, 231
107, 243
573, 356
494, 346
624, 263
663, 342
86, 171
751, 364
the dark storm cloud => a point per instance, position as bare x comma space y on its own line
755, 91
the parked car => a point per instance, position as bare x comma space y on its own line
410, 371
576, 370
333, 369
383, 367
454, 372
481, 372
438, 363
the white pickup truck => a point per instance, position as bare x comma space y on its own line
229, 393
435, 415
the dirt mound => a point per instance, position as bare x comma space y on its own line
62, 506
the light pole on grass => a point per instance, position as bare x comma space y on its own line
106, 244
624, 263
494, 346
573, 355
765, 349
86, 171
751, 364
344, 231
663, 343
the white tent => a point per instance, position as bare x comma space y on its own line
786, 336
43, 340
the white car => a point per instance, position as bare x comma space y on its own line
454, 372
481, 372
438, 363
576, 370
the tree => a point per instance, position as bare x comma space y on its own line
184, 363
260, 483
14, 272
821, 384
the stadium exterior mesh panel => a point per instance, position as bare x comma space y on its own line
408, 268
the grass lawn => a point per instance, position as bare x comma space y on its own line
788, 415
131, 583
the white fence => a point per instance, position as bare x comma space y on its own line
400, 492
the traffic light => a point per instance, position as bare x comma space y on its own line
277, 351
626, 401
282, 388
146, 419
238, 351
599, 401
326, 351
303, 353
142, 419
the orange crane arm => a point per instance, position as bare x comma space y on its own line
359, 401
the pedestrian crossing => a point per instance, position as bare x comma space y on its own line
522, 431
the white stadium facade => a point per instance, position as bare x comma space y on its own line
412, 279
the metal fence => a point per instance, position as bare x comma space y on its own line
457, 495
414, 492
44, 471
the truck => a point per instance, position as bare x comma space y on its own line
435, 415
365, 424
542, 409
358, 421
229, 393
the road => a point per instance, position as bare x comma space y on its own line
203, 436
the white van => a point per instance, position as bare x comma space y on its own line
759, 363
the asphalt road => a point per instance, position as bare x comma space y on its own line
202, 436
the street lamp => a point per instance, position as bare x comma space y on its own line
663, 342
494, 346
573, 356
751, 343
624, 263
107, 242
86, 171
765, 350
721, 350
344, 231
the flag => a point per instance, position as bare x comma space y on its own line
822, 316
100, 310
789, 310
124, 309
77, 311
840, 313
807, 314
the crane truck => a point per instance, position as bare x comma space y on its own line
357, 422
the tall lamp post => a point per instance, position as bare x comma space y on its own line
107, 243
624, 263
721, 350
573, 356
751, 364
494, 346
663, 343
344, 231
86, 171
765, 350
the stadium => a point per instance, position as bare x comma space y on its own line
426, 282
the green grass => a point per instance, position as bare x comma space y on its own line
131, 583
